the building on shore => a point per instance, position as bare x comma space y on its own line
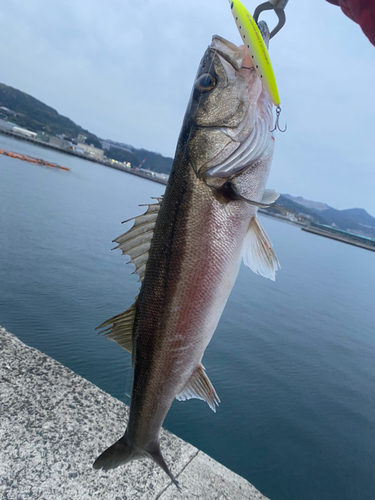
56, 141
91, 151
24, 132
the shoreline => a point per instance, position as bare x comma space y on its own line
46, 145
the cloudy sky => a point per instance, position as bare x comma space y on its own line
124, 71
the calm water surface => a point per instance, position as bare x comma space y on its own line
292, 361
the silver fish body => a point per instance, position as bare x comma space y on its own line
187, 248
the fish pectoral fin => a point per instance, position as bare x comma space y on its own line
137, 241
120, 328
200, 387
230, 192
270, 196
257, 251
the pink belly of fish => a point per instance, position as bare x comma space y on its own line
207, 274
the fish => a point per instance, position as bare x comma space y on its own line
188, 245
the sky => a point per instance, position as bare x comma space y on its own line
124, 71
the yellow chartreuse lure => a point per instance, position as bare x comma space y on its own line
256, 48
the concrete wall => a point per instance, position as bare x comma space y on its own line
54, 423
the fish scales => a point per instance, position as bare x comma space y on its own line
185, 289
205, 223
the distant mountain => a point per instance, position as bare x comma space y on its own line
285, 205
28, 112
354, 220
151, 161
315, 205
360, 216
155, 161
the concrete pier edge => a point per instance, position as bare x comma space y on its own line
54, 424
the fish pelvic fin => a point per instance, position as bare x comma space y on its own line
118, 454
257, 252
119, 329
200, 387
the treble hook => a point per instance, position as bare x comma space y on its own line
277, 125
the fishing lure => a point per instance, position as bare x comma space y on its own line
256, 48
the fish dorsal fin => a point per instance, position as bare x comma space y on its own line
137, 241
270, 196
257, 252
120, 328
200, 387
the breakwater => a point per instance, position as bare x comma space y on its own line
54, 424
342, 236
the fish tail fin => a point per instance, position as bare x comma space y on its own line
122, 452
119, 453
157, 457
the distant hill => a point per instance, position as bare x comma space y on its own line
26, 111
360, 216
315, 205
124, 152
354, 220
285, 205
36, 116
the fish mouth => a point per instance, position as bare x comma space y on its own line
253, 136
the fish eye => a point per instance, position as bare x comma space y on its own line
205, 83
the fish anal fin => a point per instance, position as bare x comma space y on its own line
200, 387
119, 329
257, 251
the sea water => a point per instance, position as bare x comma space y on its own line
293, 361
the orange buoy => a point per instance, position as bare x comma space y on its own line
15, 155
31, 159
